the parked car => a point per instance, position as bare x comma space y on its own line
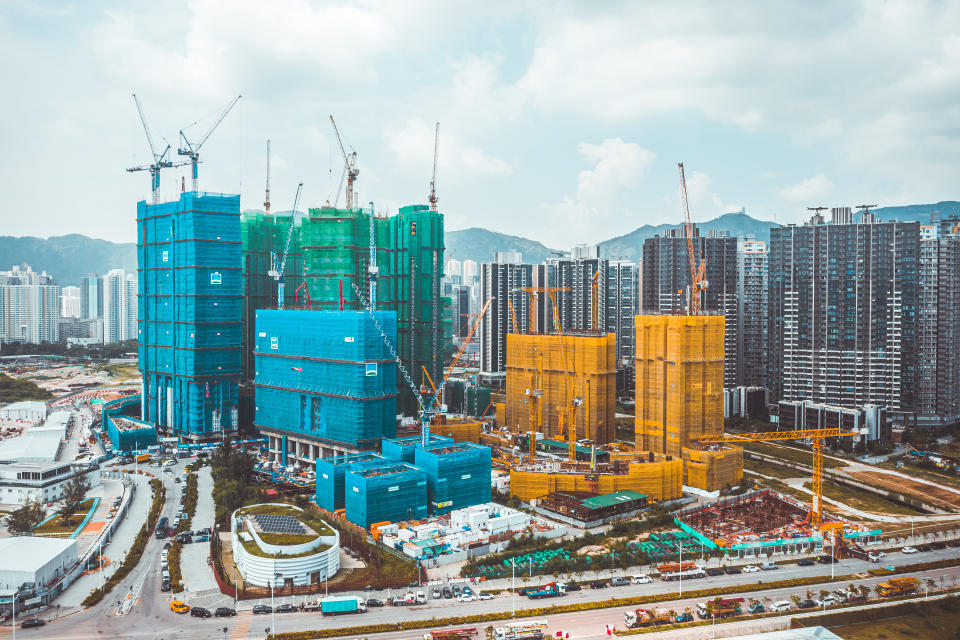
203, 538
640, 578
751, 569
177, 479
924, 548
179, 607
756, 607
456, 590
200, 612
731, 571
714, 572
781, 605
598, 584
683, 617
828, 600
166, 546
908, 550
571, 586
806, 604
467, 590
806, 562
938, 545
619, 581
164, 585
262, 608
206, 532
32, 623
225, 612
374, 602
467, 597
436, 594
447, 592
484, 595
286, 607
769, 566
953, 543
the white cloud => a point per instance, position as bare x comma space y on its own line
412, 145
809, 189
616, 164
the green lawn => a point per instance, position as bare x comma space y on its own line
56, 527
770, 469
940, 623
790, 454
308, 517
864, 500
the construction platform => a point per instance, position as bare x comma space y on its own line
656, 476
763, 521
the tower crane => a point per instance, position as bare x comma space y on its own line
568, 414
349, 166
816, 437
160, 160
192, 150
433, 181
372, 269
266, 201
595, 301
532, 299
697, 271
277, 267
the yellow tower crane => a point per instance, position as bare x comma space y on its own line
816, 437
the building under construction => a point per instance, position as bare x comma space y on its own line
658, 477
679, 396
766, 522
553, 379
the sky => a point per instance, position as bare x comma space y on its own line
560, 122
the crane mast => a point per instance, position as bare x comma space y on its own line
159, 159
372, 268
278, 267
697, 271
433, 181
192, 150
349, 166
266, 201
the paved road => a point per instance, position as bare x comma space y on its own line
150, 617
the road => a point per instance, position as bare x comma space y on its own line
150, 616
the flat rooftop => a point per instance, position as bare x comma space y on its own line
33, 445
30, 553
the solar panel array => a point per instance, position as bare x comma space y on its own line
279, 524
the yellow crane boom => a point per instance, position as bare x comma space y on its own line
816, 437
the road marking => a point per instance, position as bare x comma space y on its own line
241, 628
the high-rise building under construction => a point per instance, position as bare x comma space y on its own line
190, 312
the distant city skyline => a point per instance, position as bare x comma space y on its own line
562, 123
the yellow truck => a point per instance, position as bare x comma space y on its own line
897, 586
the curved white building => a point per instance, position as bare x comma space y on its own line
280, 544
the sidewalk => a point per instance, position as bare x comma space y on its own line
197, 574
115, 549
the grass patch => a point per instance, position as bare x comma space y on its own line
864, 500
770, 469
15, 390
304, 515
56, 527
285, 538
921, 472
251, 547
933, 620
791, 453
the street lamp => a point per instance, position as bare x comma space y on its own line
273, 609
225, 630
513, 586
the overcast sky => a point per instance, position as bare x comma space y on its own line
558, 122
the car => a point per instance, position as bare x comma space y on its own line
167, 470
598, 584
206, 532
179, 607
756, 607
414, 585
200, 612
619, 581
875, 556
177, 479
938, 545
781, 605
828, 601
165, 586
32, 623
827, 559
447, 592
166, 546
374, 602
731, 571
641, 578
953, 543
908, 550
286, 607
169, 463
467, 590
751, 569
262, 608
467, 597
225, 612
456, 590
436, 594
571, 586
806, 604
769, 566
806, 562
714, 572
924, 548
683, 617
485, 595
203, 538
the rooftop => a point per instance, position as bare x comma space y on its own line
611, 499
807, 633
30, 553
34, 445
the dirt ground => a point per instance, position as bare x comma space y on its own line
929, 493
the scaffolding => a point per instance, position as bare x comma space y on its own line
679, 381
591, 360
390, 491
659, 477
458, 475
712, 467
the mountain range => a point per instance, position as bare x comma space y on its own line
68, 258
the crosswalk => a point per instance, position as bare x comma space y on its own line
241, 625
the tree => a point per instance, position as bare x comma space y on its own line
25, 518
74, 493
796, 599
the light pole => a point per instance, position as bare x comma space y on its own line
513, 586
680, 546
911, 530
273, 609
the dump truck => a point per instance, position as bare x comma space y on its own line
722, 608
646, 618
451, 634
549, 590
897, 586
338, 606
